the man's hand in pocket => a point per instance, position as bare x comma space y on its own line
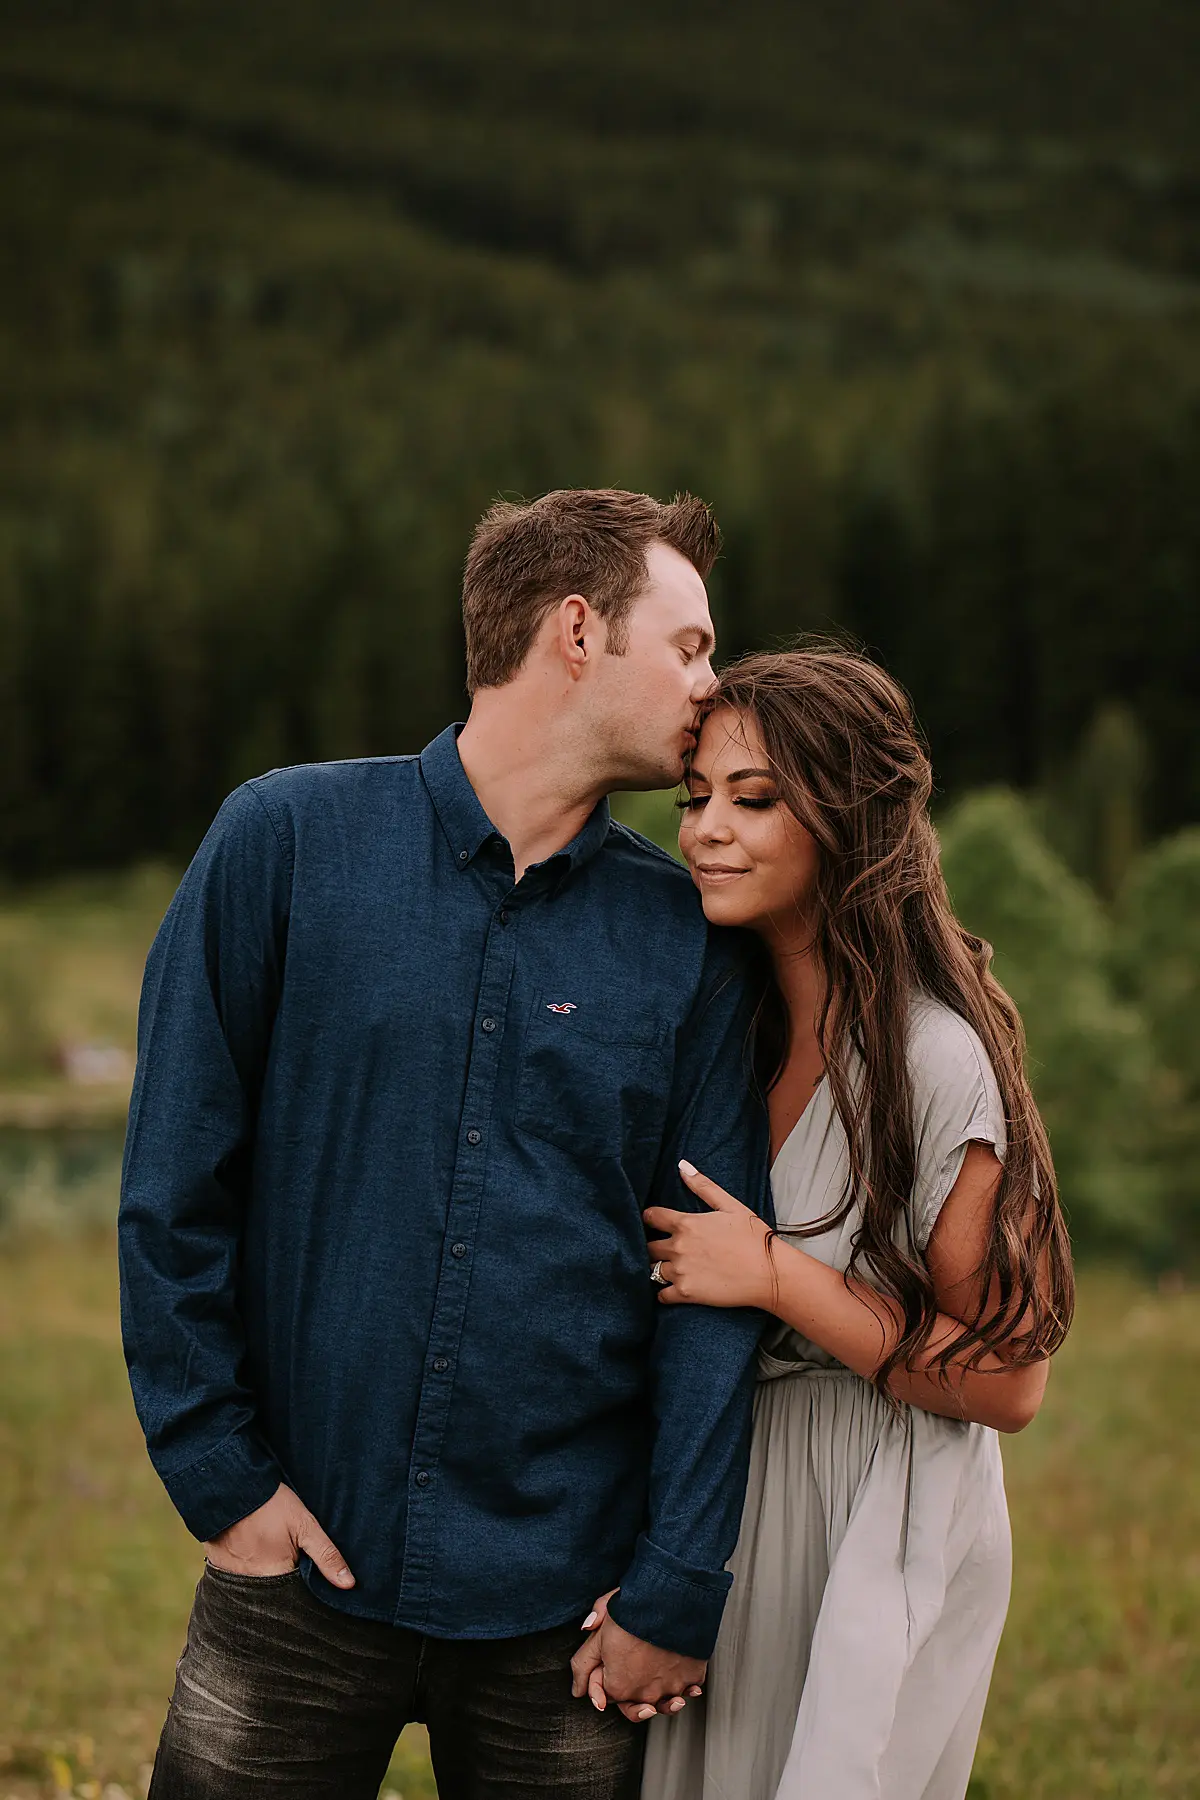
271, 1541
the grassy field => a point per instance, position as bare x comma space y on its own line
1091, 1696
71, 958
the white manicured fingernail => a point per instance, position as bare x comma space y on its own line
647, 1712
588, 1622
686, 1168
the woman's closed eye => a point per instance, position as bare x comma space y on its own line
693, 802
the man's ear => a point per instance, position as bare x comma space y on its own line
578, 633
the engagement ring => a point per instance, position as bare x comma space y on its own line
657, 1276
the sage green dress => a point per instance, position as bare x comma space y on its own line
871, 1577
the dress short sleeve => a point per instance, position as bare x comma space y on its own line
955, 1101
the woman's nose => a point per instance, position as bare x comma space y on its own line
712, 828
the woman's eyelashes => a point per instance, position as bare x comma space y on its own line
756, 802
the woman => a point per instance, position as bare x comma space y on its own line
919, 1279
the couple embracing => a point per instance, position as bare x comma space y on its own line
520, 1231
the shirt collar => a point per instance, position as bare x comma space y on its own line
467, 826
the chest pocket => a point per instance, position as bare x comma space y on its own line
595, 1086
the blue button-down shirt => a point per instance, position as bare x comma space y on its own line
394, 1124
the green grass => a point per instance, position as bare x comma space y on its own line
1091, 1692
71, 959
1095, 1687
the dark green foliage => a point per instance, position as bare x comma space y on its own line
1091, 1059
1095, 809
1158, 961
910, 294
654, 815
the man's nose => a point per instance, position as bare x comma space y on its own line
704, 682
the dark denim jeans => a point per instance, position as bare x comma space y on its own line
276, 1694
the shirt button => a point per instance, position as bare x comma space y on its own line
423, 1477
504, 916
440, 1364
458, 1250
474, 1137
463, 855
488, 1024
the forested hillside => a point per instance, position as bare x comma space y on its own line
911, 293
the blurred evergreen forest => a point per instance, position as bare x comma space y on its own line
910, 293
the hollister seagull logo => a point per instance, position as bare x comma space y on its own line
562, 1006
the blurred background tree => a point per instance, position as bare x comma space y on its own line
1091, 1057
1158, 964
911, 298
1095, 811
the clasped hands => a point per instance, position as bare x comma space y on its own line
639, 1678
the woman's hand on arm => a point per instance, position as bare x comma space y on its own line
723, 1258
715, 1258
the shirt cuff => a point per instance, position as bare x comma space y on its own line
224, 1485
669, 1603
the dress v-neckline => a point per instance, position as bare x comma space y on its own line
820, 1083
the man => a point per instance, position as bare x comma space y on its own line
420, 1038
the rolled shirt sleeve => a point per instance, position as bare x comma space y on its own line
204, 1027
703, 1358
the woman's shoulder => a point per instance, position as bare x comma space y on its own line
956, 1102
948, 1064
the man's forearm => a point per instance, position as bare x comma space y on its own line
674, 1593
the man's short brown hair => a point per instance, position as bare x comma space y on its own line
526, 558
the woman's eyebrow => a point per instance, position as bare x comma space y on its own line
751, 775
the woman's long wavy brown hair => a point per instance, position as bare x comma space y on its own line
842, 740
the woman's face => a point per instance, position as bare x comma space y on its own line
753, 862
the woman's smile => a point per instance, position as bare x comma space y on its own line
717, 874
